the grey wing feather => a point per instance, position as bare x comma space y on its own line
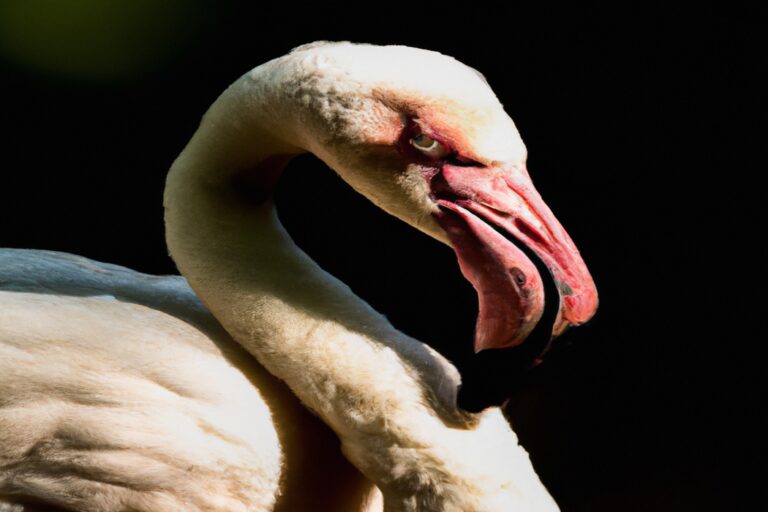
59, 273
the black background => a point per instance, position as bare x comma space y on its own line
636, 123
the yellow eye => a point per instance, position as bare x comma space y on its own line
429, 146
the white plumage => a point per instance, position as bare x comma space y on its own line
120, 391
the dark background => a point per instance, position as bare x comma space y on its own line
636, 123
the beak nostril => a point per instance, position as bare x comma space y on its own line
517, 275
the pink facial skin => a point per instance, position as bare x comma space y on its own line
472, 198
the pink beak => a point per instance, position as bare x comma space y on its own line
509, 288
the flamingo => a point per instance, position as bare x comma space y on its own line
258, 381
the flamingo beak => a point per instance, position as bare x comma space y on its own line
476, 204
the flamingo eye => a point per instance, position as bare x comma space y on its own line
429, 146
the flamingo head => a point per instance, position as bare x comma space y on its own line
425, 138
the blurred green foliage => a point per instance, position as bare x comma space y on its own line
96, 39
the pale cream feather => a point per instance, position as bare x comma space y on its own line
159, 388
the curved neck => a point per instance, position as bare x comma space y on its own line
382, 392
342, 358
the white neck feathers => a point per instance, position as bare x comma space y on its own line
390, 398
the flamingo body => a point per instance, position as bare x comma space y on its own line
145, 402
125, 392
